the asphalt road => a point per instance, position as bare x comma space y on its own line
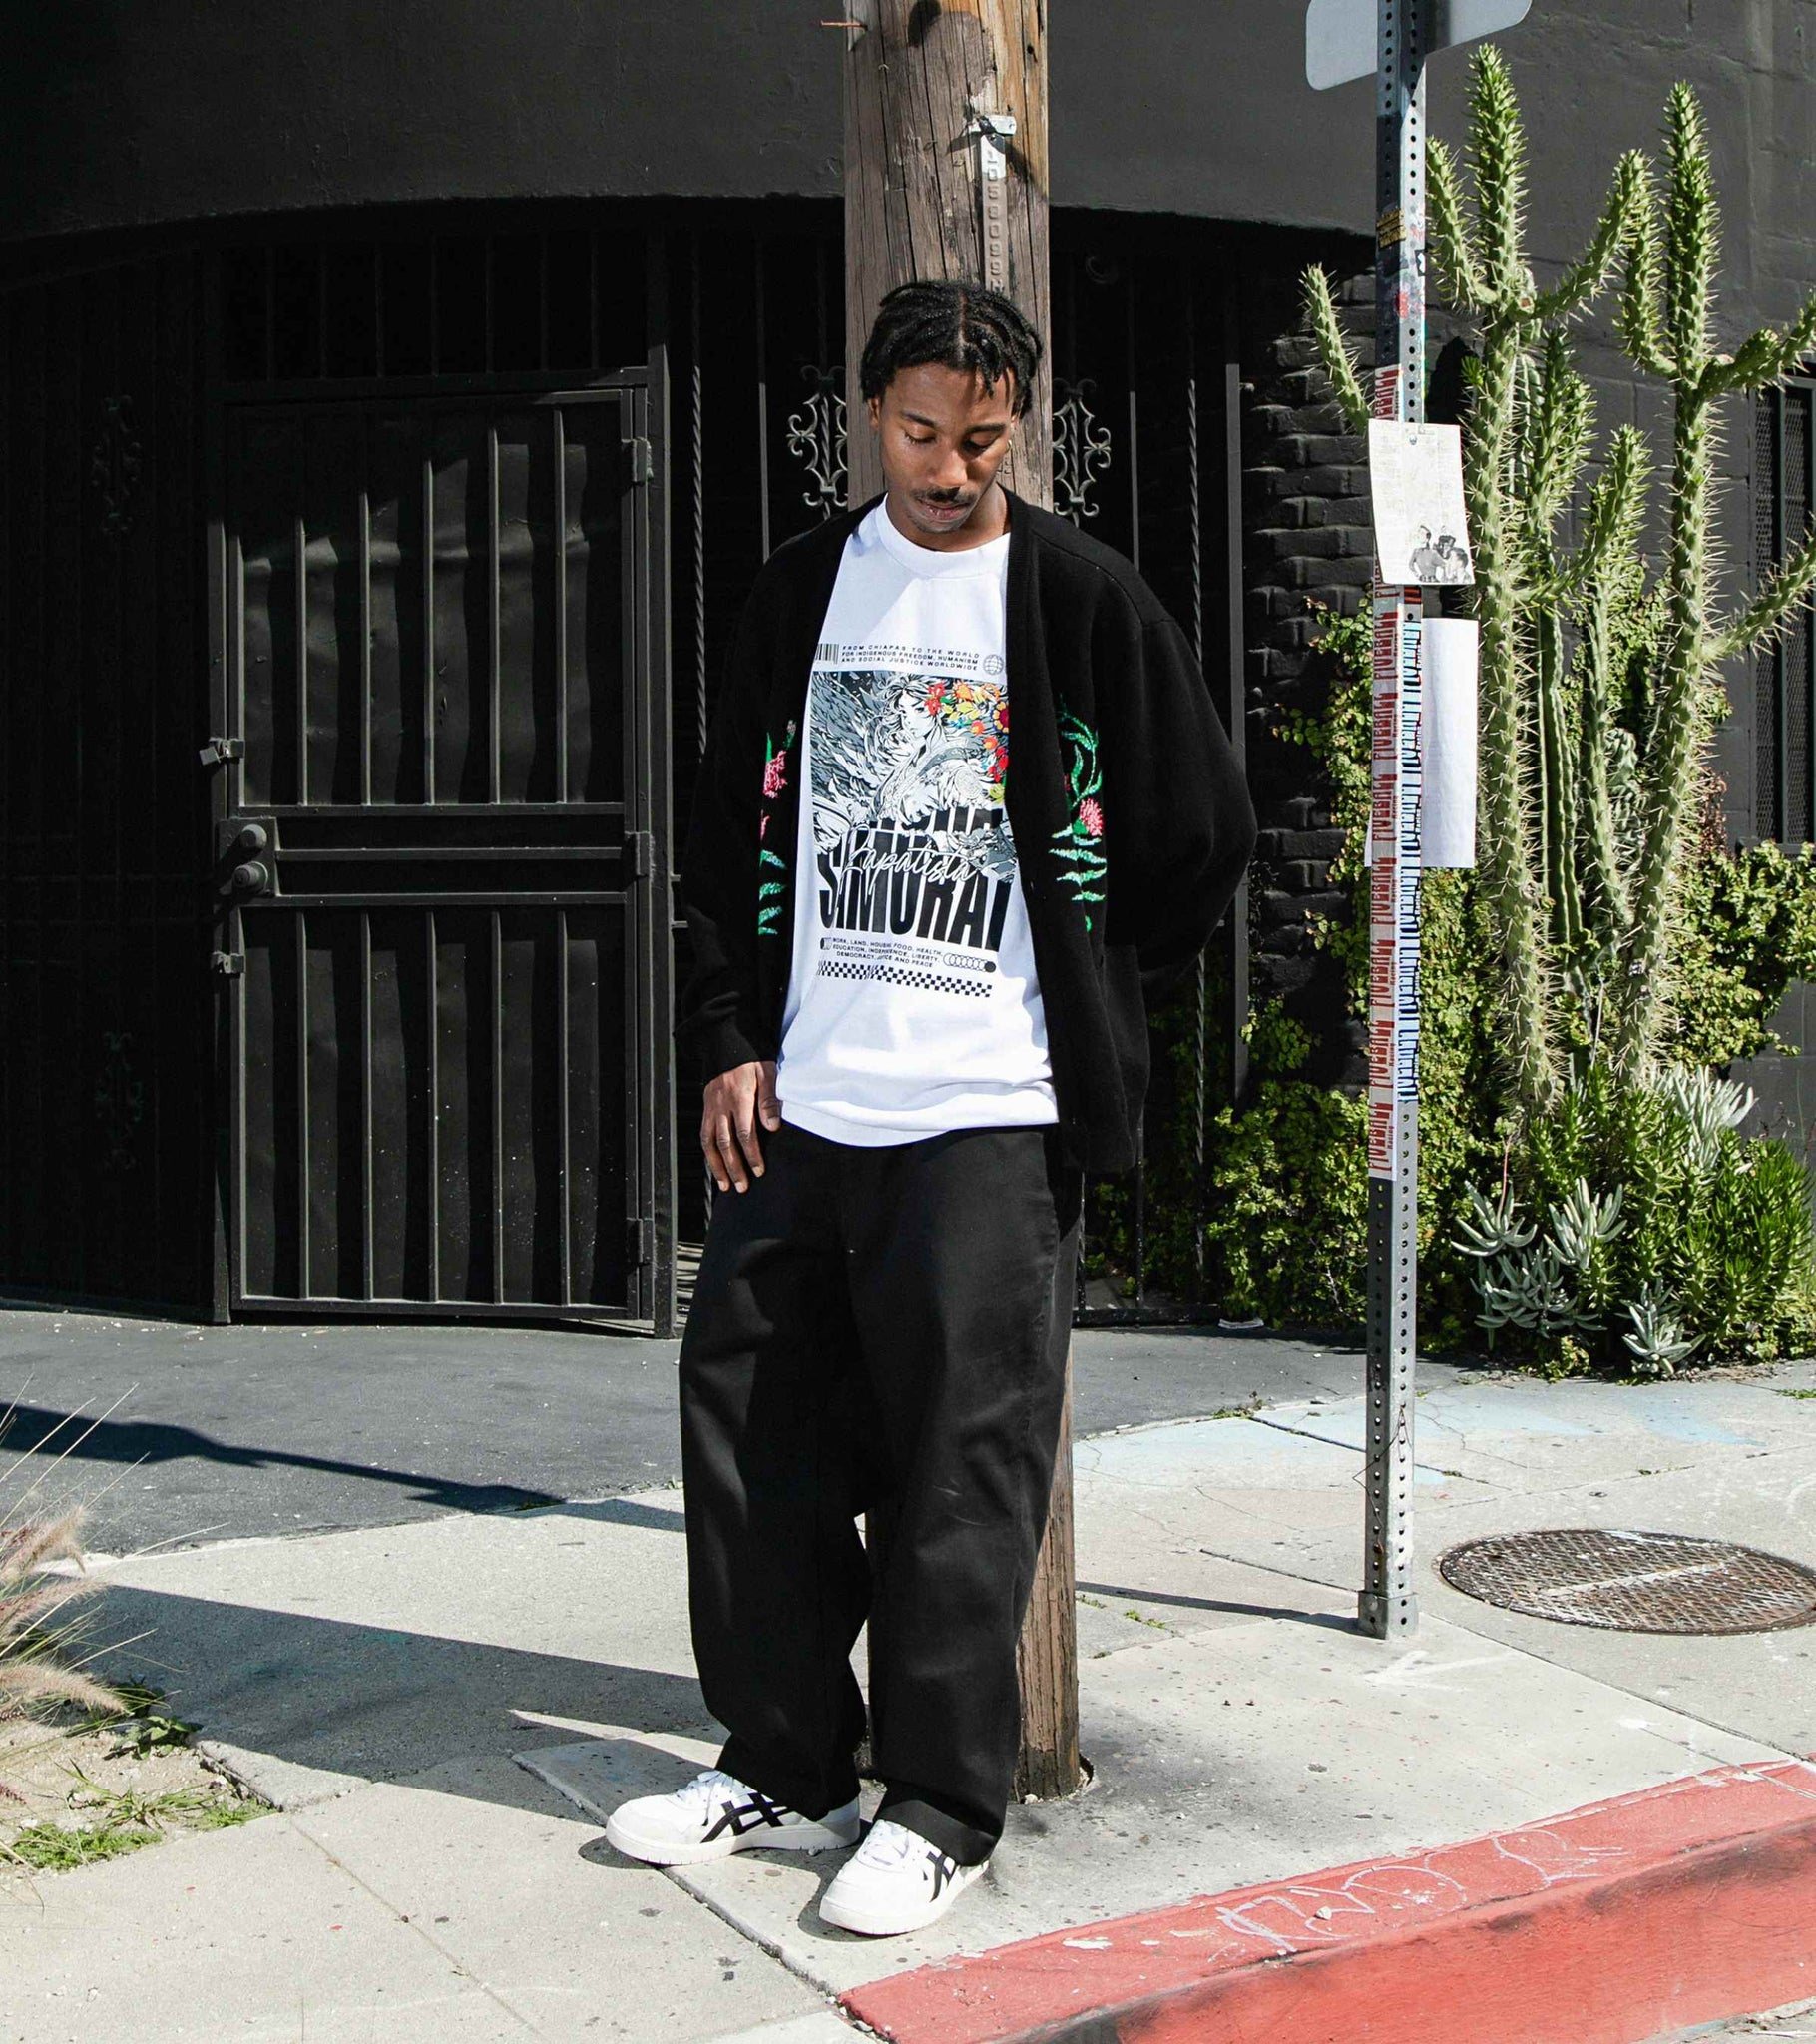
182, 1434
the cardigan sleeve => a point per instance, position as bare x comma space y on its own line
717, 1012
1179, 825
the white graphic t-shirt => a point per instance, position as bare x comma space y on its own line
913, 1006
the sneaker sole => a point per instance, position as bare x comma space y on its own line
869, 1923
654, 1852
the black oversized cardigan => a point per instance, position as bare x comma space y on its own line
1131, 820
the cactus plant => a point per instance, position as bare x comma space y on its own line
1598, 693
1527, 437
1583, 923
1665, 316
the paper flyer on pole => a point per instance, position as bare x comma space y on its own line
1416, 479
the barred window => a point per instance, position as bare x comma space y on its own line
1782, 793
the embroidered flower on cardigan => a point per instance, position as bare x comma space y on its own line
1078, 845
772, 894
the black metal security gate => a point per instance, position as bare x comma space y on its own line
442, 842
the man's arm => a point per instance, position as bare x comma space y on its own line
717, 1010
718, 880
1174, 785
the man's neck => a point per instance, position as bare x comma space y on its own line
988, 521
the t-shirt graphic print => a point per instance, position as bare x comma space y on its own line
913, 1006
908, 822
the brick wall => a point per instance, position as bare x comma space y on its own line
1307, 540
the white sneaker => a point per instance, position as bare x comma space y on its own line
716, 1814
896, 1881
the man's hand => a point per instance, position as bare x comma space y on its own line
735, 1102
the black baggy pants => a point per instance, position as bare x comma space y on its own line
880, 1331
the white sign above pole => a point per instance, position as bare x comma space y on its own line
1340, 34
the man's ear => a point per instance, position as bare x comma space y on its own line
874, 407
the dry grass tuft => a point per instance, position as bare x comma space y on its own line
39, 1673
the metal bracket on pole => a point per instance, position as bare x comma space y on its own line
1387, 1605
992, 130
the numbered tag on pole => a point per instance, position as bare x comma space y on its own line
992, 130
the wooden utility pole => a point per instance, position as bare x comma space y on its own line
946, 177
919, 74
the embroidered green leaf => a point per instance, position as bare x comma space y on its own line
775, 781
1079, 843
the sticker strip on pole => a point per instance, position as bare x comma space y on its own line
1387, 1605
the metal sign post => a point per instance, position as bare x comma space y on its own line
1387, 1605
1337, 44
1342, 37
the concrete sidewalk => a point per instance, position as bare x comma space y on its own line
180, 1436
442, 1708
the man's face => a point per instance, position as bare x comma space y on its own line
943, 437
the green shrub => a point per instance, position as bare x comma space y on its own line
1287, 1190
1636, 1227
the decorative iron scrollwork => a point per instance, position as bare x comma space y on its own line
114, 465
119, 1100
1081, 449
816, 439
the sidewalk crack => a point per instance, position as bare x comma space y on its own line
410, 1923
1351, 1447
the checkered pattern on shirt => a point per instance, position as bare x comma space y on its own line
900, 975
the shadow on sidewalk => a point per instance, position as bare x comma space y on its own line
31, 1429
368, 1700
1330, 1621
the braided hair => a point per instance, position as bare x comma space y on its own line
957, 323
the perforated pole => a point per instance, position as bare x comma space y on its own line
1387, 1605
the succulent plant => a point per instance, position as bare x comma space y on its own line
1658, 1343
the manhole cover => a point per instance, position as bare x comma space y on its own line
1634, 1582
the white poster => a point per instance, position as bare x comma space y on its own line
1416, 477
1448, 652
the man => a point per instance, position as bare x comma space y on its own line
1428, 560
965, 803
1453, 559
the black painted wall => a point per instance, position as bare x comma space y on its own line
119, 112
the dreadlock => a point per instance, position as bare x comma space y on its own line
959, 324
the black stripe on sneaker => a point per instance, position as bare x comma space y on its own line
944, 1867
739, 1818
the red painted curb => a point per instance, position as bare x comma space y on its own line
1676, 1905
